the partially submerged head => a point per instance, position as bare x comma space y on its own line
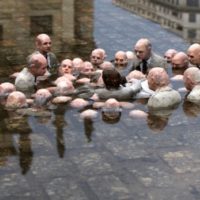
16, 100
169, 54
64, 88
66, 67
87, 68
135, 74
157, 78
6, 88
37, 64
120, 58
191, 77
42, 96
180, 60
97, 57
78, 64
107, 65
193, 53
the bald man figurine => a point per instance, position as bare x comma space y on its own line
43, 45
180, 61
145, 58
193, 53
164, 96
191, 79
27, 79
97, 57
169, 54
120, 58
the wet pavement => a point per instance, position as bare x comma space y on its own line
127, 161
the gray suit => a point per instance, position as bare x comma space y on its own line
155, 60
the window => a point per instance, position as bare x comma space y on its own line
41, 24
192, 33
175, 13
192, 17
179, 27
193, 3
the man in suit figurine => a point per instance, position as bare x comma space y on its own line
27, 79
43, 45
145, 58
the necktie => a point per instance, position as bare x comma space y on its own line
48, 61
144, 67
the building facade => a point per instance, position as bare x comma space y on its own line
68, 22
180, 16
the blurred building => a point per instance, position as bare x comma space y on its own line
180, 16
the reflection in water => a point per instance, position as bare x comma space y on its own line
157, 120
157, 123
182, 17
25, 152
111, 117
60, 123
18, 125
191, 109
88, 122
7, 147
88, 128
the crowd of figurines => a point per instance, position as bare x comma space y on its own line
109, 85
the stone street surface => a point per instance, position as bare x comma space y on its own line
127, 161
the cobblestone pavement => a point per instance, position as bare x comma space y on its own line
127, 161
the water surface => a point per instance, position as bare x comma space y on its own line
58, 155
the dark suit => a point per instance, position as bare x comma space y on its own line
52, 62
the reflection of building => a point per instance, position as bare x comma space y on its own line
66, 21
180, 16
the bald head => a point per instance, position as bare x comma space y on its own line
97, 57
143, 49
193, 53
103, 52
157, 78
37, 64
180, 60
121, 58
169, 54
107, 65
144, 41
191, 77
112, 103
43, 43
66, 67
135, 74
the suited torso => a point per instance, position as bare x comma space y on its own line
155, 60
